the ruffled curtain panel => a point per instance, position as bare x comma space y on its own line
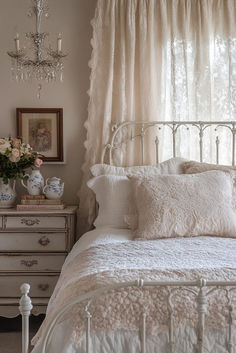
158, 60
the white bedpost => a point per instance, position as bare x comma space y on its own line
202, 309
143, 341
88, 327
171, 318
25, 309
230, 343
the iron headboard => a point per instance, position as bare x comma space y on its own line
120, 137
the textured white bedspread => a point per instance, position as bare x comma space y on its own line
108, 256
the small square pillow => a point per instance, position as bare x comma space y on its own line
184, 205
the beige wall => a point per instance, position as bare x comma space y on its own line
72, 18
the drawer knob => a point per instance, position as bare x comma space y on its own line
44, 241
29, 263
29, 222
43, 287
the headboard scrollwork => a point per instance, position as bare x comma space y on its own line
211, 133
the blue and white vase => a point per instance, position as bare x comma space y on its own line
53, 189
35, 183
7, 194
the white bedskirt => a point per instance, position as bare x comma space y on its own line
124, 341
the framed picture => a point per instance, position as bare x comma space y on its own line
42, 128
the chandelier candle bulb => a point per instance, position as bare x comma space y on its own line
17, 42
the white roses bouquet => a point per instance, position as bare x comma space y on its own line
15, 158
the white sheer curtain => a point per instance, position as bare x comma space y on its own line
159, 60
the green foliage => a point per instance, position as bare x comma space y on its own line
15, 158
12, 170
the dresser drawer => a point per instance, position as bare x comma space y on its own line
29, 222
40, 286
33, 242
38, 262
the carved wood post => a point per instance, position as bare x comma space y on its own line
25, 309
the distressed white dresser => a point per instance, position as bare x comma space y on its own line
33, 248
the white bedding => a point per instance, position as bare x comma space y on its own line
176, 255
101, 235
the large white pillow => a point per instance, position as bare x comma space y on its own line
113, 189
171, 166
184, 205
113, 197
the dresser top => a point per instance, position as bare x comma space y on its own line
13, 212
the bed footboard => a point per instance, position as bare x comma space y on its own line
25, 310
201, 289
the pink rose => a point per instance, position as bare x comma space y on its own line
38, 162
16, 142
15, 155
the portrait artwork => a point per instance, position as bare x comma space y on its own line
42, 129
40, 135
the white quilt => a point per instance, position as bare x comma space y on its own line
109, 256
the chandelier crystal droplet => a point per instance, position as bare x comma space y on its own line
44, 63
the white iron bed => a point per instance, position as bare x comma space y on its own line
199, 290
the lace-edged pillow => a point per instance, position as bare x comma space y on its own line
171, 166
184, 205
193, 167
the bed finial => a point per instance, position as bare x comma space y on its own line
25, 309
25, 288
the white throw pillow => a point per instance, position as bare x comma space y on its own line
113, 196
192, 167
171, 166
184, 205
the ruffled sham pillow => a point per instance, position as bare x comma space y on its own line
193, 167
183, 205
113, 197
112, 189
171, 166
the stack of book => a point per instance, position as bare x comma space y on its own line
39, 203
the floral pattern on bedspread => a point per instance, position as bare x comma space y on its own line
167, 259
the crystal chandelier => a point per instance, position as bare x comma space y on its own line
44, 64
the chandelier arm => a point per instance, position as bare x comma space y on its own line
44, 63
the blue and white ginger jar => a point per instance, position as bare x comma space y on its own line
7, 194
